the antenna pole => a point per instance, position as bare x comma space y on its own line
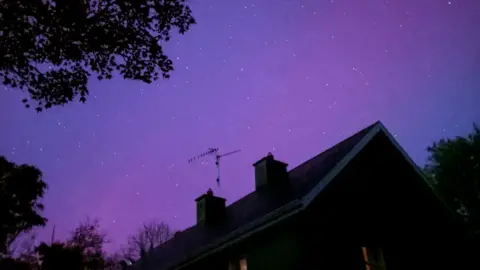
53, 235
214, 151
217, 162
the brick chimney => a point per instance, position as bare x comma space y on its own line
210, 209
270, 172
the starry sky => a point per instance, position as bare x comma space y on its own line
281, 76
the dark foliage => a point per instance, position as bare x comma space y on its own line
83, 250
116, 261
21, 188
149, 236
59, 256
78, 38
454, 168
89, 240
14, 264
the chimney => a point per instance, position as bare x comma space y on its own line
270, 172
210, 209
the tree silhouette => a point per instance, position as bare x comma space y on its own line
454, 168
21, 188
50, 48
59, 256
14, 264
24, 249
150, 235
90, 241
116, 261
82, 250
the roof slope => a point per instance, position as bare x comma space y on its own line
191, 242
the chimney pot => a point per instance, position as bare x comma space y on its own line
270, 172
210, 209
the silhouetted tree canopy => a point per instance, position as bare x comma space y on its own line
150, 235
454, 168
21, 188
60, 256
49, 48
82, 250
116, 261
90, 241
14, 264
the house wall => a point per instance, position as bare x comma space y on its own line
377, 200
330, 234
380, 200
275, 248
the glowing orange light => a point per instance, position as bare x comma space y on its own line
243, 264
365, 258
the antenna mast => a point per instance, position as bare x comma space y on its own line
214, 152
53, 235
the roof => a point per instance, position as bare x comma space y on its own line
259, 205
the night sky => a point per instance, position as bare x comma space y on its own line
282, 76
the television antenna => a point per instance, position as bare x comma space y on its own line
214, 152
53, 235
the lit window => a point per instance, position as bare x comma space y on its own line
239, 264
243, 264
373, 258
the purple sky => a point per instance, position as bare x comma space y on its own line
290, 77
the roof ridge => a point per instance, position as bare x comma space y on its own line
366, 137
321, 153
362, 131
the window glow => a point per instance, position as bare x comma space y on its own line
365, 258
238, 264
373, 258
243, 264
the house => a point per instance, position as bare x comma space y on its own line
362, 204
